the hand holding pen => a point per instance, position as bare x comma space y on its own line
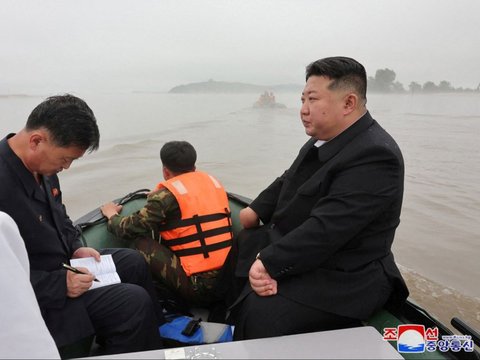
76, 271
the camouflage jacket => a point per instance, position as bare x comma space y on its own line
161, 205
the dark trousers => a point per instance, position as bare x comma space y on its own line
126, 316
268, 316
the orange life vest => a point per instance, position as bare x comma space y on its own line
202, 237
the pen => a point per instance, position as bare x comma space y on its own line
75, 270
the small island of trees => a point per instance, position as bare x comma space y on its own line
384, 81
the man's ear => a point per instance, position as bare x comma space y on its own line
35, 139
167, 174
350, 103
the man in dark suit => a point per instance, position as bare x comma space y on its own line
125, 316
322, 258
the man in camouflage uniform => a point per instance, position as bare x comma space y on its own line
144, 227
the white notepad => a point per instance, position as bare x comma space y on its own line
105, 270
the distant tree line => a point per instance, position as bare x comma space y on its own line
384, 81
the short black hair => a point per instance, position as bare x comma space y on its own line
69, 121
178, 156
344, 71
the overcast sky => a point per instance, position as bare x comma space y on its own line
124, 45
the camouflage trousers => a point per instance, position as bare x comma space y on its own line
197, 289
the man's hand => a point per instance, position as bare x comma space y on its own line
86, 252
248, 218
260, 281
77, 284
110, 209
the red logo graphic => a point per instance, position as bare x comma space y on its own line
411, 338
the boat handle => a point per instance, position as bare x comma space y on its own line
465, 329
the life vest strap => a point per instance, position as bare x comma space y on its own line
195, 237
199, 250
175, 224
200, 235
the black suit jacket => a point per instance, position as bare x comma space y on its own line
50, 239
330, 221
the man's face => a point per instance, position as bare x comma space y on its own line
322, 109
50, 159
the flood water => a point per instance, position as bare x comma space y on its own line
437, 243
